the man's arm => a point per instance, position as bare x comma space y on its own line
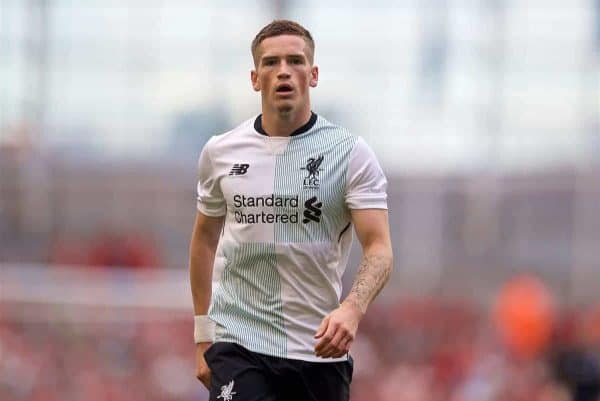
203, 245
338, 329
372, 229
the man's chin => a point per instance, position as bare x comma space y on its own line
285, 108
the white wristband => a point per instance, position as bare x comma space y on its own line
204, 329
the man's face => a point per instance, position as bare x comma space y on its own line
284, 73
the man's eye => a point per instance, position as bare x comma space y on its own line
269, 62
297, 61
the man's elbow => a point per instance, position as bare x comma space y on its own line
386, 253
390, 264
382, 249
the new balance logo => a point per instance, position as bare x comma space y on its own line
239, 169
313, 210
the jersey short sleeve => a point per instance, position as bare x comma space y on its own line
210, 200
366, 184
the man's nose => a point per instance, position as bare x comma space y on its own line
284, 70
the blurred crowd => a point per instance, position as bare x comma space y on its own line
118, 361
409, 350
106, 249
431, 351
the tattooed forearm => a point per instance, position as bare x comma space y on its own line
373, 272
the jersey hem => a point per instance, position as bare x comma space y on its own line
295, 357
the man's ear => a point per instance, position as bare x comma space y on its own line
314, 76
255, 81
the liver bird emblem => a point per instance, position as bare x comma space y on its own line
313, 166
226, 392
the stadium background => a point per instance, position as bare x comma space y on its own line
485, 116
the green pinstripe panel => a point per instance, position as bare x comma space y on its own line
248, 304
335, 144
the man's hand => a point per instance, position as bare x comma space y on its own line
337, 331
202, 369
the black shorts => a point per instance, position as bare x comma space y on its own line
241, 375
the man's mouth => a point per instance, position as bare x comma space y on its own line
284, 89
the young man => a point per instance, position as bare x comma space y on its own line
277, 197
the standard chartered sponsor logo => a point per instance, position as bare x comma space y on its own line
243, 202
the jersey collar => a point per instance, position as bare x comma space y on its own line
311, 122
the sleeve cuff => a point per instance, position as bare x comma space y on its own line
370, 201
211, 211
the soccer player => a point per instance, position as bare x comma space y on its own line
277, 199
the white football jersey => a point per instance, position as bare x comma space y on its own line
287, 233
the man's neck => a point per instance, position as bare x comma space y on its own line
277, 124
